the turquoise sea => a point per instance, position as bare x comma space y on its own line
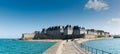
10, 46
111, 45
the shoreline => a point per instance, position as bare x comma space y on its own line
47, 40
85, 40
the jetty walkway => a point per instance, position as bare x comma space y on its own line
64, 47
71, 47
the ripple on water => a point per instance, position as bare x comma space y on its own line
109, 45
8, 46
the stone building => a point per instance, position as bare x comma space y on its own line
100, 32
107, 34
44, 30
82, 30
37, 33
68, 30
55, 31
78, 30
90, 33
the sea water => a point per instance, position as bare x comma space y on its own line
111, 45
9, 46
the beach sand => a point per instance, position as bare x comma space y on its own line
48, 40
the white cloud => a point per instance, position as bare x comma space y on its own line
113, 25
114, 20
97, 5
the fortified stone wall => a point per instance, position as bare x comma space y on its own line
58, 32
89, 36
28, 36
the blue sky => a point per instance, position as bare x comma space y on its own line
26, 16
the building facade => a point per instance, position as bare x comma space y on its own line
68, 30
55, 31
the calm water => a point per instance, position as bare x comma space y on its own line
109, 45
8, 46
